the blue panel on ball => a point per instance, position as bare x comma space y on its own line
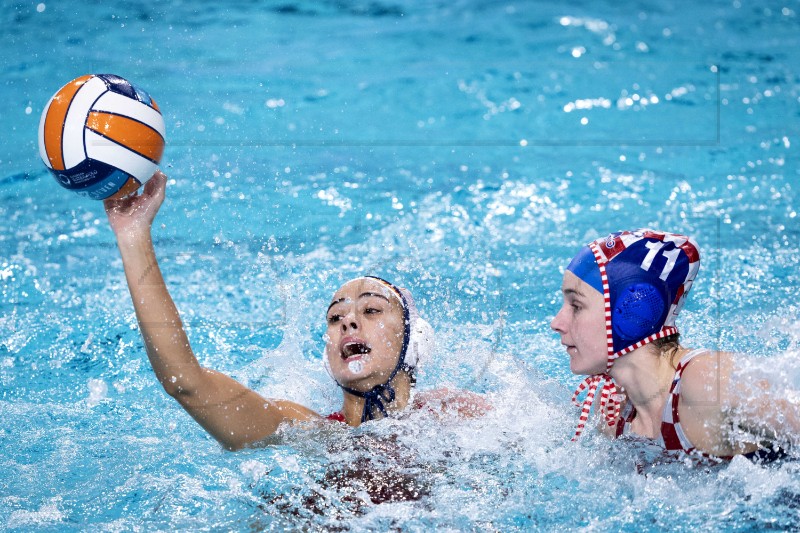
143, 96
93, 179
83, 175
119, 85
105, 188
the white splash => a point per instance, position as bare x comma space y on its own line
356, 367
98, 391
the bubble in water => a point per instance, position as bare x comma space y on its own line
355, 366
253, 469
41, 7
98, 390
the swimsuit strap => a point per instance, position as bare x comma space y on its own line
337, 416
672, 435
625, 419
670, 414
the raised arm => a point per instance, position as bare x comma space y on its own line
233, 414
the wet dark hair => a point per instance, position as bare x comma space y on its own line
668, 345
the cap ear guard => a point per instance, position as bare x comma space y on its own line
420, 338
639, 311
421, 343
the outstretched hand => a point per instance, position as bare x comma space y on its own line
132, 216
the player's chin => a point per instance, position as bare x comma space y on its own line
581, 367
361, 382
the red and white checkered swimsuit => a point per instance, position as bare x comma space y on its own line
672, 436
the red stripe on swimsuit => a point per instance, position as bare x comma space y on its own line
336, 417
672, 434
415, 403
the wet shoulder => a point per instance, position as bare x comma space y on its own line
703, 396
705, 378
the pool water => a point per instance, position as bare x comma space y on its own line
464, 149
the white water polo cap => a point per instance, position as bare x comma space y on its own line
644, 276
418, 345
421, 335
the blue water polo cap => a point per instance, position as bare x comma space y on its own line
584, 265
644, 277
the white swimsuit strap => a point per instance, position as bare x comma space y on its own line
666, 414
691, 355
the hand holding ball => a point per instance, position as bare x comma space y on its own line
101, 137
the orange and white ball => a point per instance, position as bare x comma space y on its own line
101, 137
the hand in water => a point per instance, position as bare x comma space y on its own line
132, 216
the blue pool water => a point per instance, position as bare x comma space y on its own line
464, 149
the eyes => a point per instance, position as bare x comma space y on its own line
334, 318
575, 304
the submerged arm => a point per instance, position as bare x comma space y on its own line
755, 406
229, 411
462, 403
730, 405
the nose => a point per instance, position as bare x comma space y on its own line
349, 322
558, 323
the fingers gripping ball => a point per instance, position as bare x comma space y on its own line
101, 136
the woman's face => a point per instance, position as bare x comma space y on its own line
365, 334
582, 326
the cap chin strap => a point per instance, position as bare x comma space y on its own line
378, 397
609, 406
611, 396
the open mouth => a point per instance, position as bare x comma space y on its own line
354, 347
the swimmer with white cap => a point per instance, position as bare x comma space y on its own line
622, 294
375, 339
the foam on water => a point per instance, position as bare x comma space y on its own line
309, 143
